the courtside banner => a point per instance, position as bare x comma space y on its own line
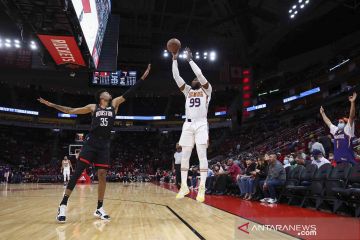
63, 49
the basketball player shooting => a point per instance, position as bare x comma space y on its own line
96, 148
65, 169
195, 129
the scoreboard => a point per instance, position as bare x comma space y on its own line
114, 79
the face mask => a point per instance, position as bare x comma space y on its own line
341, 126
291, 159
286, 161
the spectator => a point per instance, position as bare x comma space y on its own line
246, 181
319, 158
317, 146
344, 134
326, 142
260, 175
301, 161
211, 178
227, 179
276, 177
332, 159
177, 157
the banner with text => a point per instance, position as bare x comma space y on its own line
63, 49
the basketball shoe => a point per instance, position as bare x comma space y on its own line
100, 213
184, 190
61, 216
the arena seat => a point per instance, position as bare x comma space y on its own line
350, 194
48, 178
315, 190
293, 179
337, 179
305, 180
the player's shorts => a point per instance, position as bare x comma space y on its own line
194, 132
66, 171
97, 151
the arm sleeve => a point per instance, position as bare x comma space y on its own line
198, 73
178, 79
175, 70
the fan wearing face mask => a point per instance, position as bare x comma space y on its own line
343, 134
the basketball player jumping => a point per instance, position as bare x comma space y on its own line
195, 129
96, 148
65, 169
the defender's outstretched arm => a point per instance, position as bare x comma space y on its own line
69, 110
116, 102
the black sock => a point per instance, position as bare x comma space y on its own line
100, 204
64, 200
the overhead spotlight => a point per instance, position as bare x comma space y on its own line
166, 54
7, 45
32, 42
17, 45
212, 56
300, 1
33, 47
8, 40
197, 56
197, 53
16, 41
295, 12
205, 53
205, 57
302, 6
307, 1
292, 16
290, 11
294, 7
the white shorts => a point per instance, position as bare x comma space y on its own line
194, 132
66, 172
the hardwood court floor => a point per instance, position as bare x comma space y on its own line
138, 211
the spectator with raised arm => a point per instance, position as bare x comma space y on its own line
343, 133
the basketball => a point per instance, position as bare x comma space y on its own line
173, 45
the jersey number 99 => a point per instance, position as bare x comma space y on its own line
194, 102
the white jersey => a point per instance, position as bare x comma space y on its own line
197, 102
66, 165
177, 157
